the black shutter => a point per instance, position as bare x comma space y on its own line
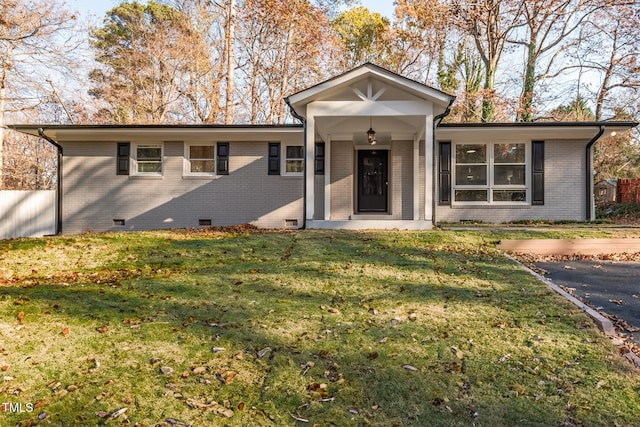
222, 158
319, 167
444, 169
274, 158
124, 148
537, 170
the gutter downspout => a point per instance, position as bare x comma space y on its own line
436, 122
59, 180
304, 167
589, 173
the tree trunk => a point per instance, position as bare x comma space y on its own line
2, 101
231, 63
488, 98
526, 101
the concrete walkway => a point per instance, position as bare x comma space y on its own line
572, 246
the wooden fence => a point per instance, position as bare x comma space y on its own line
27, 213
629, 190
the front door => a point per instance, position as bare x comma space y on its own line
372, 180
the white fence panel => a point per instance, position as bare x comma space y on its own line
27, 213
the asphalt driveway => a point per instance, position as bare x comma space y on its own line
610, 287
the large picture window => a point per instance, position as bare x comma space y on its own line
490, 173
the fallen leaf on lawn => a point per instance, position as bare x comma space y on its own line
102, 396
373, 355
5, 367
117, 413
263, 352
228, 377
306, 366
504, 358
102, 414
65, 331
174, 422
103, 329
302, 420
409, 367
54, 385
199, 370
383, 340
457, 352
217, 349
166, 370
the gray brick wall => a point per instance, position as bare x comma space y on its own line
564, 199
341, 179
94, 195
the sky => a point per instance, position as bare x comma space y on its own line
95, 9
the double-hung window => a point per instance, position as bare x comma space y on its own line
148, 159
490, 173
200, 159
294, 160
509, 173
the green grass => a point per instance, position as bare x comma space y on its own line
315, 325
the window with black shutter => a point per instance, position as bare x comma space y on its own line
124, 150
223, 158
444, 170
537, 170
274, 158
319, 166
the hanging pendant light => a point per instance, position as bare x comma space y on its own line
371, 134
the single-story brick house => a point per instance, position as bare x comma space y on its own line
370, 152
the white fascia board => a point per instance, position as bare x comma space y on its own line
507, 133
368, 108
170, 133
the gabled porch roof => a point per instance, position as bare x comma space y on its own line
346, 105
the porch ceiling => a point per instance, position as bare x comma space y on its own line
355, 127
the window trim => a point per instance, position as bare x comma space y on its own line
490, 165
187, 159
134, 158
284, 159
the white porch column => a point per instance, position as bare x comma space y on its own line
416, 177
428, 168
309, 152
327, 178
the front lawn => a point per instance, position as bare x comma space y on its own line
241, 327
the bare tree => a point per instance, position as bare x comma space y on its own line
550, 28
36, 42
491, 23
612, 53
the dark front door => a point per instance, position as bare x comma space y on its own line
372, 180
